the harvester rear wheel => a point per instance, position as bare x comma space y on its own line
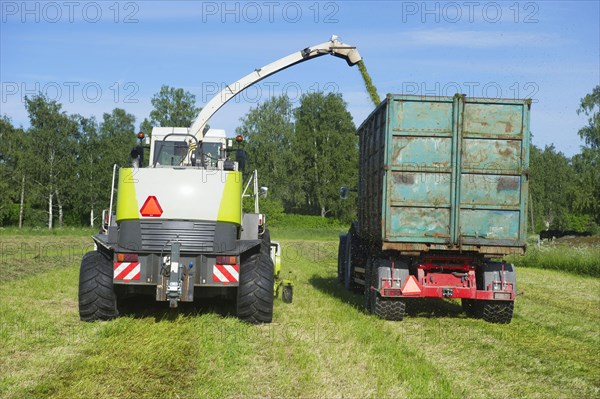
97, 299
388, 308
255, 291
497, 311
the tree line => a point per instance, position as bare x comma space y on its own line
565, 191
58, 171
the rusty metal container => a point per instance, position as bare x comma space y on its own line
445, 173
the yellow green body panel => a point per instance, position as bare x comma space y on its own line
127, 206
230, 209
183, 194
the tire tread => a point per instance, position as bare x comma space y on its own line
97, 300
255, 291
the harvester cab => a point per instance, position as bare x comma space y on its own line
179, 232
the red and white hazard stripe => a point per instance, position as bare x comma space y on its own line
127, 271
226, 273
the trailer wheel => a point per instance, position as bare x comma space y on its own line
497, 311
388, 308
347, 265
369, 294
255, 290
97, 299
341, 257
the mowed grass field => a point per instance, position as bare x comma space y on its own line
323, 345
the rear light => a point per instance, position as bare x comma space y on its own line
261, 219
502, 295
226, 260
127, 257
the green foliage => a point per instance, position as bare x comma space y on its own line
118, 136
268, 131
62, 165
326, 147
566, 192
146, 127
309, 222
580, 223
7, 132
304, 155
587, 190
100, 147
590, 106
40, 231
552, 187
173, 107
273, 209
53, 159
294, 226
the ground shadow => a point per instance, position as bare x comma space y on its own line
145, 306
433, 308
334, 288
427, 307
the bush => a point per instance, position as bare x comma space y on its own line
309, 222
273, 210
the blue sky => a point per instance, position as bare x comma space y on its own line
95, 56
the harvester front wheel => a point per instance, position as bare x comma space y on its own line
97, 299
255, 291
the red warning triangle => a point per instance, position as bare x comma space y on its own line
151, 207
411, 287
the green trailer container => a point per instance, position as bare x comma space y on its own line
443, 183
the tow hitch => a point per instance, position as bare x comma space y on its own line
172, 264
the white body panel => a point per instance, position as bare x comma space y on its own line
185, 194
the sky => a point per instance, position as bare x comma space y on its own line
94, 56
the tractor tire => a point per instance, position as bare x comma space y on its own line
388, 308
287, 294
497, 311
471, 307
341, 257
97, 299
255, 290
